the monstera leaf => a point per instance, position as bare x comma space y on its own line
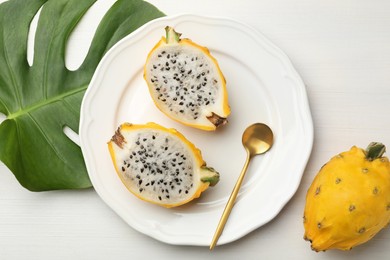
40, 100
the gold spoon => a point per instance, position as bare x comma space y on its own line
256, 139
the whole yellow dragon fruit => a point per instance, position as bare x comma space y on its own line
349, 200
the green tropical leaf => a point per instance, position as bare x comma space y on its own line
40, 100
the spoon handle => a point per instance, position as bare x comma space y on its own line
230, 204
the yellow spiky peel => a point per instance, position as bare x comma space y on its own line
348, 202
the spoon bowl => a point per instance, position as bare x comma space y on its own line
256, 139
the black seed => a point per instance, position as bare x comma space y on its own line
152, 182
168, 56
179, 191
140, 190
208, 102
153, 137
186, 191
167, 196
147, 184
139, 182
181, 111
137, 176
159, 197
123, 169
189, 72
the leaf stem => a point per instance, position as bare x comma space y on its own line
45, 102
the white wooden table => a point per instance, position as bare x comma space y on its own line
342, 51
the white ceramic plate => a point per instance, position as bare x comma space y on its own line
263, 87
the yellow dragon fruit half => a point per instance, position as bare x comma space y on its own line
159, 165
348, 202
186, 82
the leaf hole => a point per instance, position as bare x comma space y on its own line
72, 135
2, 118
31, 37
80, 38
